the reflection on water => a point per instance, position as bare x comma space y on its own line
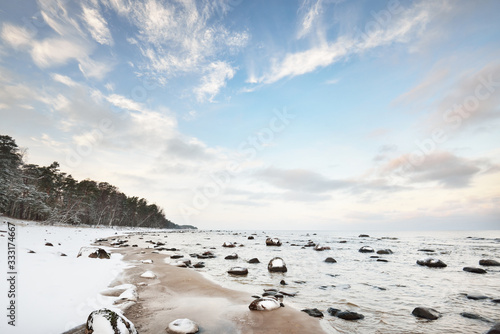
384, 292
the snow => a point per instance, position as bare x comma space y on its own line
182, 326
148, 274
148, 261
56, 293
102, 325
277, 263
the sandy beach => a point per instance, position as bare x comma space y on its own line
184, 293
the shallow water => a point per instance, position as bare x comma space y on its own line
385, 293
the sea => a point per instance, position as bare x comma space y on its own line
384, 292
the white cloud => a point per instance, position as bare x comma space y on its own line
94, 69
310, 17
212, 82
56, 51
400, 28
64, 79
97, 26
124, 103
181, 37
16, 36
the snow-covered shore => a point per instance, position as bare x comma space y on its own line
55, 293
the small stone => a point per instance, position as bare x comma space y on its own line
251, 237
282, 282
349, 315
239, 271
49, 244
384, 251
426, 313
233, 256
366, 249
330, 260
199, 265
313, 312
382, 260
476, 297
474, 270
364, 236
473, 316
176, 256
254, 260
431, 263
273, 242
489, 263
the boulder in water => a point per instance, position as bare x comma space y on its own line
105, 321
254, 260
426, 313
363, 236
431, 263
233, 256
475, 270
384, 251
489, 263
273, 242
330, 260
228, 245
240, 271
313, 312
277, 265
494, 330
182, 326
366, 249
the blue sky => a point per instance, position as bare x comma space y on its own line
349, 115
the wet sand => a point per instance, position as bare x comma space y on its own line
184, 293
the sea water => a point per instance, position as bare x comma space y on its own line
384, 292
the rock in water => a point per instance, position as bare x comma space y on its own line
489, 263
384, 251
233, 256
182, 326
426, 313
364, 236
228, 245
254, 260
265, 304
366, 249
431, 263
475, 270
313, 312
494, 330
240, 271
277, 265
473, 316
330, 260
273, 242
105, 321
93, 252
349, 315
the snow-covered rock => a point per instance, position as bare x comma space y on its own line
182, 326
105, 321
273, 242
148, 261
277, 265
265, 304
93, 252
148, 274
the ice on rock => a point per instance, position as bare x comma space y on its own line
148, 274
182, 326
105, 321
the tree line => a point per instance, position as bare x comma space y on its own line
32, 192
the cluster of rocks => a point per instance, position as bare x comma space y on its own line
105, 321
346, 315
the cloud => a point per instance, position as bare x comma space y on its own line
178, 38
64, 80
56, 51
97, 26
400, 28
16, 36
218, 73
311, 13
188, 148
445, 168
300, 180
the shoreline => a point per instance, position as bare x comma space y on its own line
185, 293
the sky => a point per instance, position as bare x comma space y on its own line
283, 114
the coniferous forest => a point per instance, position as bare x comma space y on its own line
32, 192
